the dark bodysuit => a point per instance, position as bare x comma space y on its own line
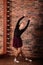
17, 41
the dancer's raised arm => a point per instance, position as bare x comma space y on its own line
20, 20
25, 27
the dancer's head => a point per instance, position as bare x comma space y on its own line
21, 25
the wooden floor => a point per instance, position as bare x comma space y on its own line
9, 61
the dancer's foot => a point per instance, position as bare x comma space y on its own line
30, 60
15, 60
26, 59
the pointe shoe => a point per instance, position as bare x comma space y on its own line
15, 60
30, 60
26, 59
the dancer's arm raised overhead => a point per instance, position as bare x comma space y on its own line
19, 21
22, 30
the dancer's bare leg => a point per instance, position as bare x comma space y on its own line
16, 55
15, 52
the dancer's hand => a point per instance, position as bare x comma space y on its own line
24, 15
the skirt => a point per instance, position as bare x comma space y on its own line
17, 42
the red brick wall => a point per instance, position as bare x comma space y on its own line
2, 26
31, 37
